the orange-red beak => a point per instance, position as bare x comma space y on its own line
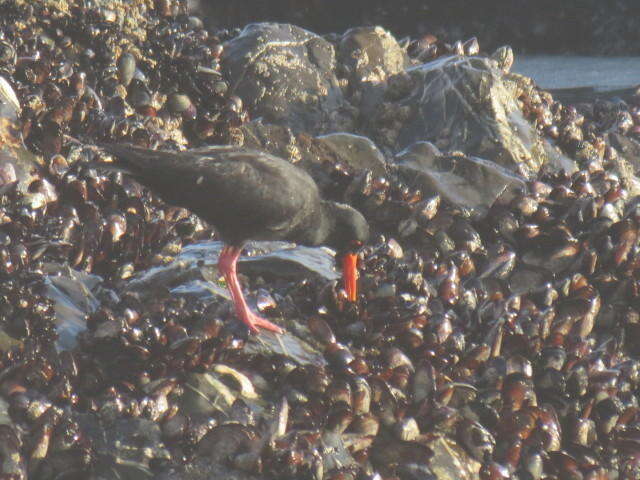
350, 275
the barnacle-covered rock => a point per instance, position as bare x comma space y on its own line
286, 75
464, 104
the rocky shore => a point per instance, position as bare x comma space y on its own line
495, 336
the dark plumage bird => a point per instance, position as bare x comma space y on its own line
248, 195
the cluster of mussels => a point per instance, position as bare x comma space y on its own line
586, 131
77, 74
510, 338
514, 334
429, 47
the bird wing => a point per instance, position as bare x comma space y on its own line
265, 195
245, 194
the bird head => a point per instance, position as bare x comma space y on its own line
349, 232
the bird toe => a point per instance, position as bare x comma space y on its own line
265, 324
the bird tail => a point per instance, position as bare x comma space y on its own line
114, 164
138, 162
106, 166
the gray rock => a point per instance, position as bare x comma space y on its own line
285, 74
126, 446
465, 104
368, 58
470, 182
75, 295
371, 54
358, 152
355, 151
186, 272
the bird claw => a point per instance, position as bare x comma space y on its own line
254, 322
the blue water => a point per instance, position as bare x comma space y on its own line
560, 72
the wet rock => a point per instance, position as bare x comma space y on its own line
463, 104
470, 182
297, 344
187, 272
285, 74
127, 445
289, 260
356, 151
75, 295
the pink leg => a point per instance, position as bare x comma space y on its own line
227, 266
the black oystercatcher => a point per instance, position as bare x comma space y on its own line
248, 195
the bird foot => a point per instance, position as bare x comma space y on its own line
254, 322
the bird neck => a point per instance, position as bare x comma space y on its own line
327, 224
